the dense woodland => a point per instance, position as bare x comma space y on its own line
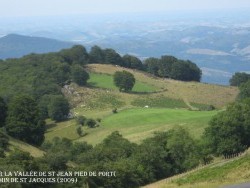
30, 90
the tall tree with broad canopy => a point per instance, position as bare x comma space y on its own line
229, 131
58, 108
124, 80
132, 62
24, 121
79, 75
239, 78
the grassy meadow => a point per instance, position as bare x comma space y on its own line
106, 81
137, 124
168, 101
192, 92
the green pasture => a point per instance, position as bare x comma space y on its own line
136, 124
106, 81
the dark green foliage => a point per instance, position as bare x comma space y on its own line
132, 62
112, 57
56, 161
136, 165
239, 78
113, 148
24, 121
79, 75
165, 66
76, 54
3, 112
229, 131
152, 65
43, 106
128, 171
185, 71
64, 145
96, 55
79, 148
44, 85
171, 67
22, 159
41, 74
114, 110
81, 120
4, 140
61, 72
182, 149
124, 80
2, 154
206, 154
58, 108
152, 156
91, 123
244, 90
79, 130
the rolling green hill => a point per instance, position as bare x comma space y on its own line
168, 102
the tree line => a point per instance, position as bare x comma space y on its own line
165, 67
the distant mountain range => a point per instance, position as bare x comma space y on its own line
14, 46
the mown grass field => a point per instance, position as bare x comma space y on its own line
220, 174
137, 124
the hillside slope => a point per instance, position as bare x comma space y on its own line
169, 100
13, 45
193, 92
219, 174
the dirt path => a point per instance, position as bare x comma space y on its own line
188, 104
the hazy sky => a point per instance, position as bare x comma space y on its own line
63, 7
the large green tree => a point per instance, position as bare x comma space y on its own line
132, 62
124, 80
24, 121
76, 54
79, 75
112, 57
165, 65
182, 151
229, 131
58, 108
96, 55
239, 78
152, 65
244, 90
